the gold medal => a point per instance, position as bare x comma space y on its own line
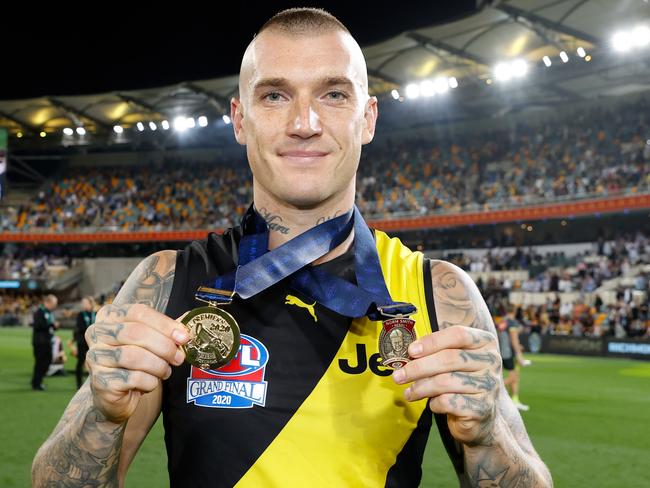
214, 337
396, 335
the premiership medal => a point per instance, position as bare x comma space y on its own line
214, 337
396, 335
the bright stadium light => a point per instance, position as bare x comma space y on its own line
641, 36
453, 82
165, 125
140, 126
622, 41
440, 85
19, 135
519, 68
190, 122
547, 61
68, 131
427, 88
153, 126
203, 121
564, 57
395, 94
118, 129
226, 119
42, 133
581, 52
180, 124
81, 131
503, 71
412, 90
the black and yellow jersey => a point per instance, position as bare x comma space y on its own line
306, 401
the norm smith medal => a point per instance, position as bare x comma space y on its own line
214, 337
394, 340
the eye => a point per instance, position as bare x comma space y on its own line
273, 96
336, 95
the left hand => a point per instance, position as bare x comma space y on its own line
459, 370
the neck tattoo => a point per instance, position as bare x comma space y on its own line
328, 217
274, 221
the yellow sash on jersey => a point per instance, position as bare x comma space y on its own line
351, 427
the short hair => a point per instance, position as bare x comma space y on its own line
50, 298
304, 20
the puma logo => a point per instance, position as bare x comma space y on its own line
291, 300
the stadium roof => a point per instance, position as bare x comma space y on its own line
467, 50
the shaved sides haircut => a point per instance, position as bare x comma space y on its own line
302, 21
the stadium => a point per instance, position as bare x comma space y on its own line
513, 141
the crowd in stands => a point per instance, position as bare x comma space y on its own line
625, 316
21, 267
594, 152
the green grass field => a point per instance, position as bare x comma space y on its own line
589, 420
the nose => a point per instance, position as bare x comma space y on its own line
304, 122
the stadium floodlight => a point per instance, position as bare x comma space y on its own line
441, 85
588, 57
503, 71
641, 36
622, 41
427, 88
68, 131
581, 52
19, 135
190, 122
564, 56
395, 94
412, 90
226, 119
118, 129
453, 82
203, 121
547, 61
140, 126
519, 68
165, 125
180, 124
42, 133
153, 126
81, 131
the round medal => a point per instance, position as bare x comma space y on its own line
214, 337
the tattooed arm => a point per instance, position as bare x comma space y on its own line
131, 347
459, 370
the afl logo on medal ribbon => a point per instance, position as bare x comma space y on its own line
238, 384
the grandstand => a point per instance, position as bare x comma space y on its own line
513, 141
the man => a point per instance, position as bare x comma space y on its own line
299, 405
42, 336
511, 351
85, 318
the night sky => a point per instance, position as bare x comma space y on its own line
96, 47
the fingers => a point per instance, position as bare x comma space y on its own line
112, 380
129, 357
139, 312
462, 405
454, 382
446, 361
455, 337
134, 333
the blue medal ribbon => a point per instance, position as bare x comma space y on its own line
258, 269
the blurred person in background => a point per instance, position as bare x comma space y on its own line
44, 325
85, 318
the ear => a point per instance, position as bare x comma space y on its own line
237, 117
370, 116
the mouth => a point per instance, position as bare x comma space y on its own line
303, 157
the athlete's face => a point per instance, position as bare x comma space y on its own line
303, 114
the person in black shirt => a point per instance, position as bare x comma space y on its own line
44, 325
84, 319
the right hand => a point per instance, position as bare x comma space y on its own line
131, 349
